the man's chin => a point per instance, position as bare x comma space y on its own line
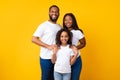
54, 20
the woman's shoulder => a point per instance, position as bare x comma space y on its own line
77, 31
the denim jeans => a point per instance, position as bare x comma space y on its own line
47, 69
76, 69
62, 76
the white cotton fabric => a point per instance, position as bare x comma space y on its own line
47, 33
77, 35
62, 64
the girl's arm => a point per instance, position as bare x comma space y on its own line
53, 58
54, 54
74, 57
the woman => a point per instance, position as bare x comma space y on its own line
70, 23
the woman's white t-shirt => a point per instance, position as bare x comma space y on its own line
77, 35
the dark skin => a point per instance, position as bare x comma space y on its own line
68, 21
82, 42
81, 45
53, 13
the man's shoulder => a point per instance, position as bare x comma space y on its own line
43, 24
59, 25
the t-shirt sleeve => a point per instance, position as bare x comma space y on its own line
39, 31
80, 35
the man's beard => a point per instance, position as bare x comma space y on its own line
53, 20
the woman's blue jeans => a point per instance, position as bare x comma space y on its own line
47, 69
76, 69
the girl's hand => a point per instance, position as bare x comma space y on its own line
50, 47
75, 50
55, 49
74, 47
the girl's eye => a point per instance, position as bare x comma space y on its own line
61, 36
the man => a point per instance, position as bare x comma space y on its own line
47, 34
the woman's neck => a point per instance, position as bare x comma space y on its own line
70, 28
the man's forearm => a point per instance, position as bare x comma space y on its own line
39, 42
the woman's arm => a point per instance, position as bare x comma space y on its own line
82, 43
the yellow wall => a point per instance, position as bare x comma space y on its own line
19, 57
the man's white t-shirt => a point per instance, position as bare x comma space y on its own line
77, 35
62, 64
47, 32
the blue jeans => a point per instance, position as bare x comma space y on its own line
62, 76
47, 69
76, 69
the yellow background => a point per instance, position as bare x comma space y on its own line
99, 19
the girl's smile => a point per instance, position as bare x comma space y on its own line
64, 38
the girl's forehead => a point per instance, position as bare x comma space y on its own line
64, 33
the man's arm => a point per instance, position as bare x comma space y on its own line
37, 41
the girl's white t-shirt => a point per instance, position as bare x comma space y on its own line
77, 35
62, 64
47, 32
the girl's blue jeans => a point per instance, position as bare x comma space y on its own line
62, 76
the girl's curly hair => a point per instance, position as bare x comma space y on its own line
58, 42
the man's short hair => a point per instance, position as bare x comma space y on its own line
54, 6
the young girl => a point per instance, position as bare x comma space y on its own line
64, 56
70, 23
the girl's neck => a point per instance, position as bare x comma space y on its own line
64, 44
